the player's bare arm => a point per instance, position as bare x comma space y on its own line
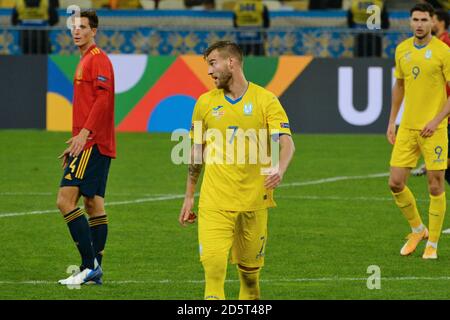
398, 93
287, 149
195, 169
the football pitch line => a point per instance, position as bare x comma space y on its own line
294, 280
180, 196
116, 203
334, 179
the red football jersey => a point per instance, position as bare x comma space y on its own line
93, 101
444, 37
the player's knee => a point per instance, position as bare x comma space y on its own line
396, 185
89, 205
215, 267
436, 184
248, 276
436, 188
63, 203
93, 207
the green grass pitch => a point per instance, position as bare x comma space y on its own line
323, 235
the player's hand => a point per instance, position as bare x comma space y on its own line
64, 156
273, 179
390, 134
186, 214
429, 129
77, 143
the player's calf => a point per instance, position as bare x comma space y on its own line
249, 279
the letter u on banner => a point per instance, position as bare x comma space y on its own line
345, 97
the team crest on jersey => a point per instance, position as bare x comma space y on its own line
218, 112
79, 74
248, 109
408, 56
428, 54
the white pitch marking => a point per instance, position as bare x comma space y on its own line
292, 184
337, 198
333, 179
166, 197
168, 281
178, 196
27, 194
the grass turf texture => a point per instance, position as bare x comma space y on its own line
322, 237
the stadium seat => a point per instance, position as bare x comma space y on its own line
81, 3
171, 4
97, 4
297, 4
7, 3
228, 5
148, 4
399, 4
272, 5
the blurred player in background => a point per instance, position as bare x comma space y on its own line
87, 160
422, 71
234, 197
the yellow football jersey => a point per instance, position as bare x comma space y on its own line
425, 71
233, 131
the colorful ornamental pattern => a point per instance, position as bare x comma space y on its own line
158, 94
319, 42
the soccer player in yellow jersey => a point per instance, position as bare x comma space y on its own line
422, 69
234, 195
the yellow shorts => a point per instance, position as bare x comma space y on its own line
245, 233
409, 145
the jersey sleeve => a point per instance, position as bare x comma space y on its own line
446, 65
101, 73
276, 116
198, 123
398, 73
102, 78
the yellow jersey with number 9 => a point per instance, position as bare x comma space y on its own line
425, 71
237, 137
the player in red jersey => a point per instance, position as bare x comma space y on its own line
87, 159
441, 23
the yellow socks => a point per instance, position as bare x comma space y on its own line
436, 217
215, 272
249, 284
407, 203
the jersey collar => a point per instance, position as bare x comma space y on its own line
89, 50
238, 99
423, 46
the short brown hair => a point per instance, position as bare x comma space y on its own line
228, 47
422, 7
91, 15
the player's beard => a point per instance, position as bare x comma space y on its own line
224, 80
423, 36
